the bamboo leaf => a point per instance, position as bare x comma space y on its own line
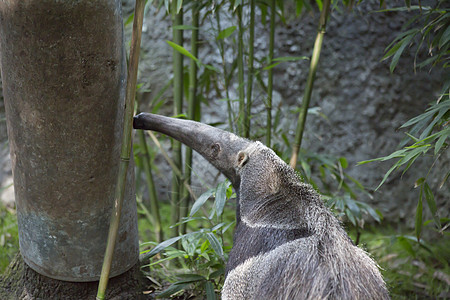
188, 278
406, 245
158, 248
215, 245
395, 166
419, 182
200, 201
174, 288
291, 58
167, 5
182, 50
419, 220
405, 42
210, 294
444, 180
440, 141
179, 6
350, 216
221, 197
226, 33
344, 163
271, 66
431, 204
445, 37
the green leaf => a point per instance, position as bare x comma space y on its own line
217, 273
431, 204
446, 177
440, 141
215, 245
445, 37
188, 278
405, 42
182, 50
344, 163
395, 166
350, 216
167, 5
419, 182
406, 245
290, 58
210, 294
161, 247
179, 6
226, 33
221, 197
271, 66
306, 168
174, 288
200, 201
419, 220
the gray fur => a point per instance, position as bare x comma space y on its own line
287, 244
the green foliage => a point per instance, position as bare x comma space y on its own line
203, 253
429, 130
412, 269
9, 241
431, 32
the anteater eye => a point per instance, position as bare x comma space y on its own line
215, 149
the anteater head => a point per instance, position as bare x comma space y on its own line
254, 170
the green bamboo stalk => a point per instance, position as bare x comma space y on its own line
126, 147
240, 59
177, 20
247, 117
310, 82
154, 206
192, 107
270, 74
225, 75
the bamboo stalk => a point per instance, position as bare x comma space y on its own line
310, 82
154, 206
240, 59
250, 71
171, 163
270, 74
192, 105
177, 20
126, 147
225, 75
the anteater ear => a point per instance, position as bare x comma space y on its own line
242, 159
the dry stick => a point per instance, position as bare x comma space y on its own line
126, 147
309, 84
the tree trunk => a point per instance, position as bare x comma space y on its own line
63, 70
22, 282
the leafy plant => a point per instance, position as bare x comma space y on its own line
429, 130
203, 253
